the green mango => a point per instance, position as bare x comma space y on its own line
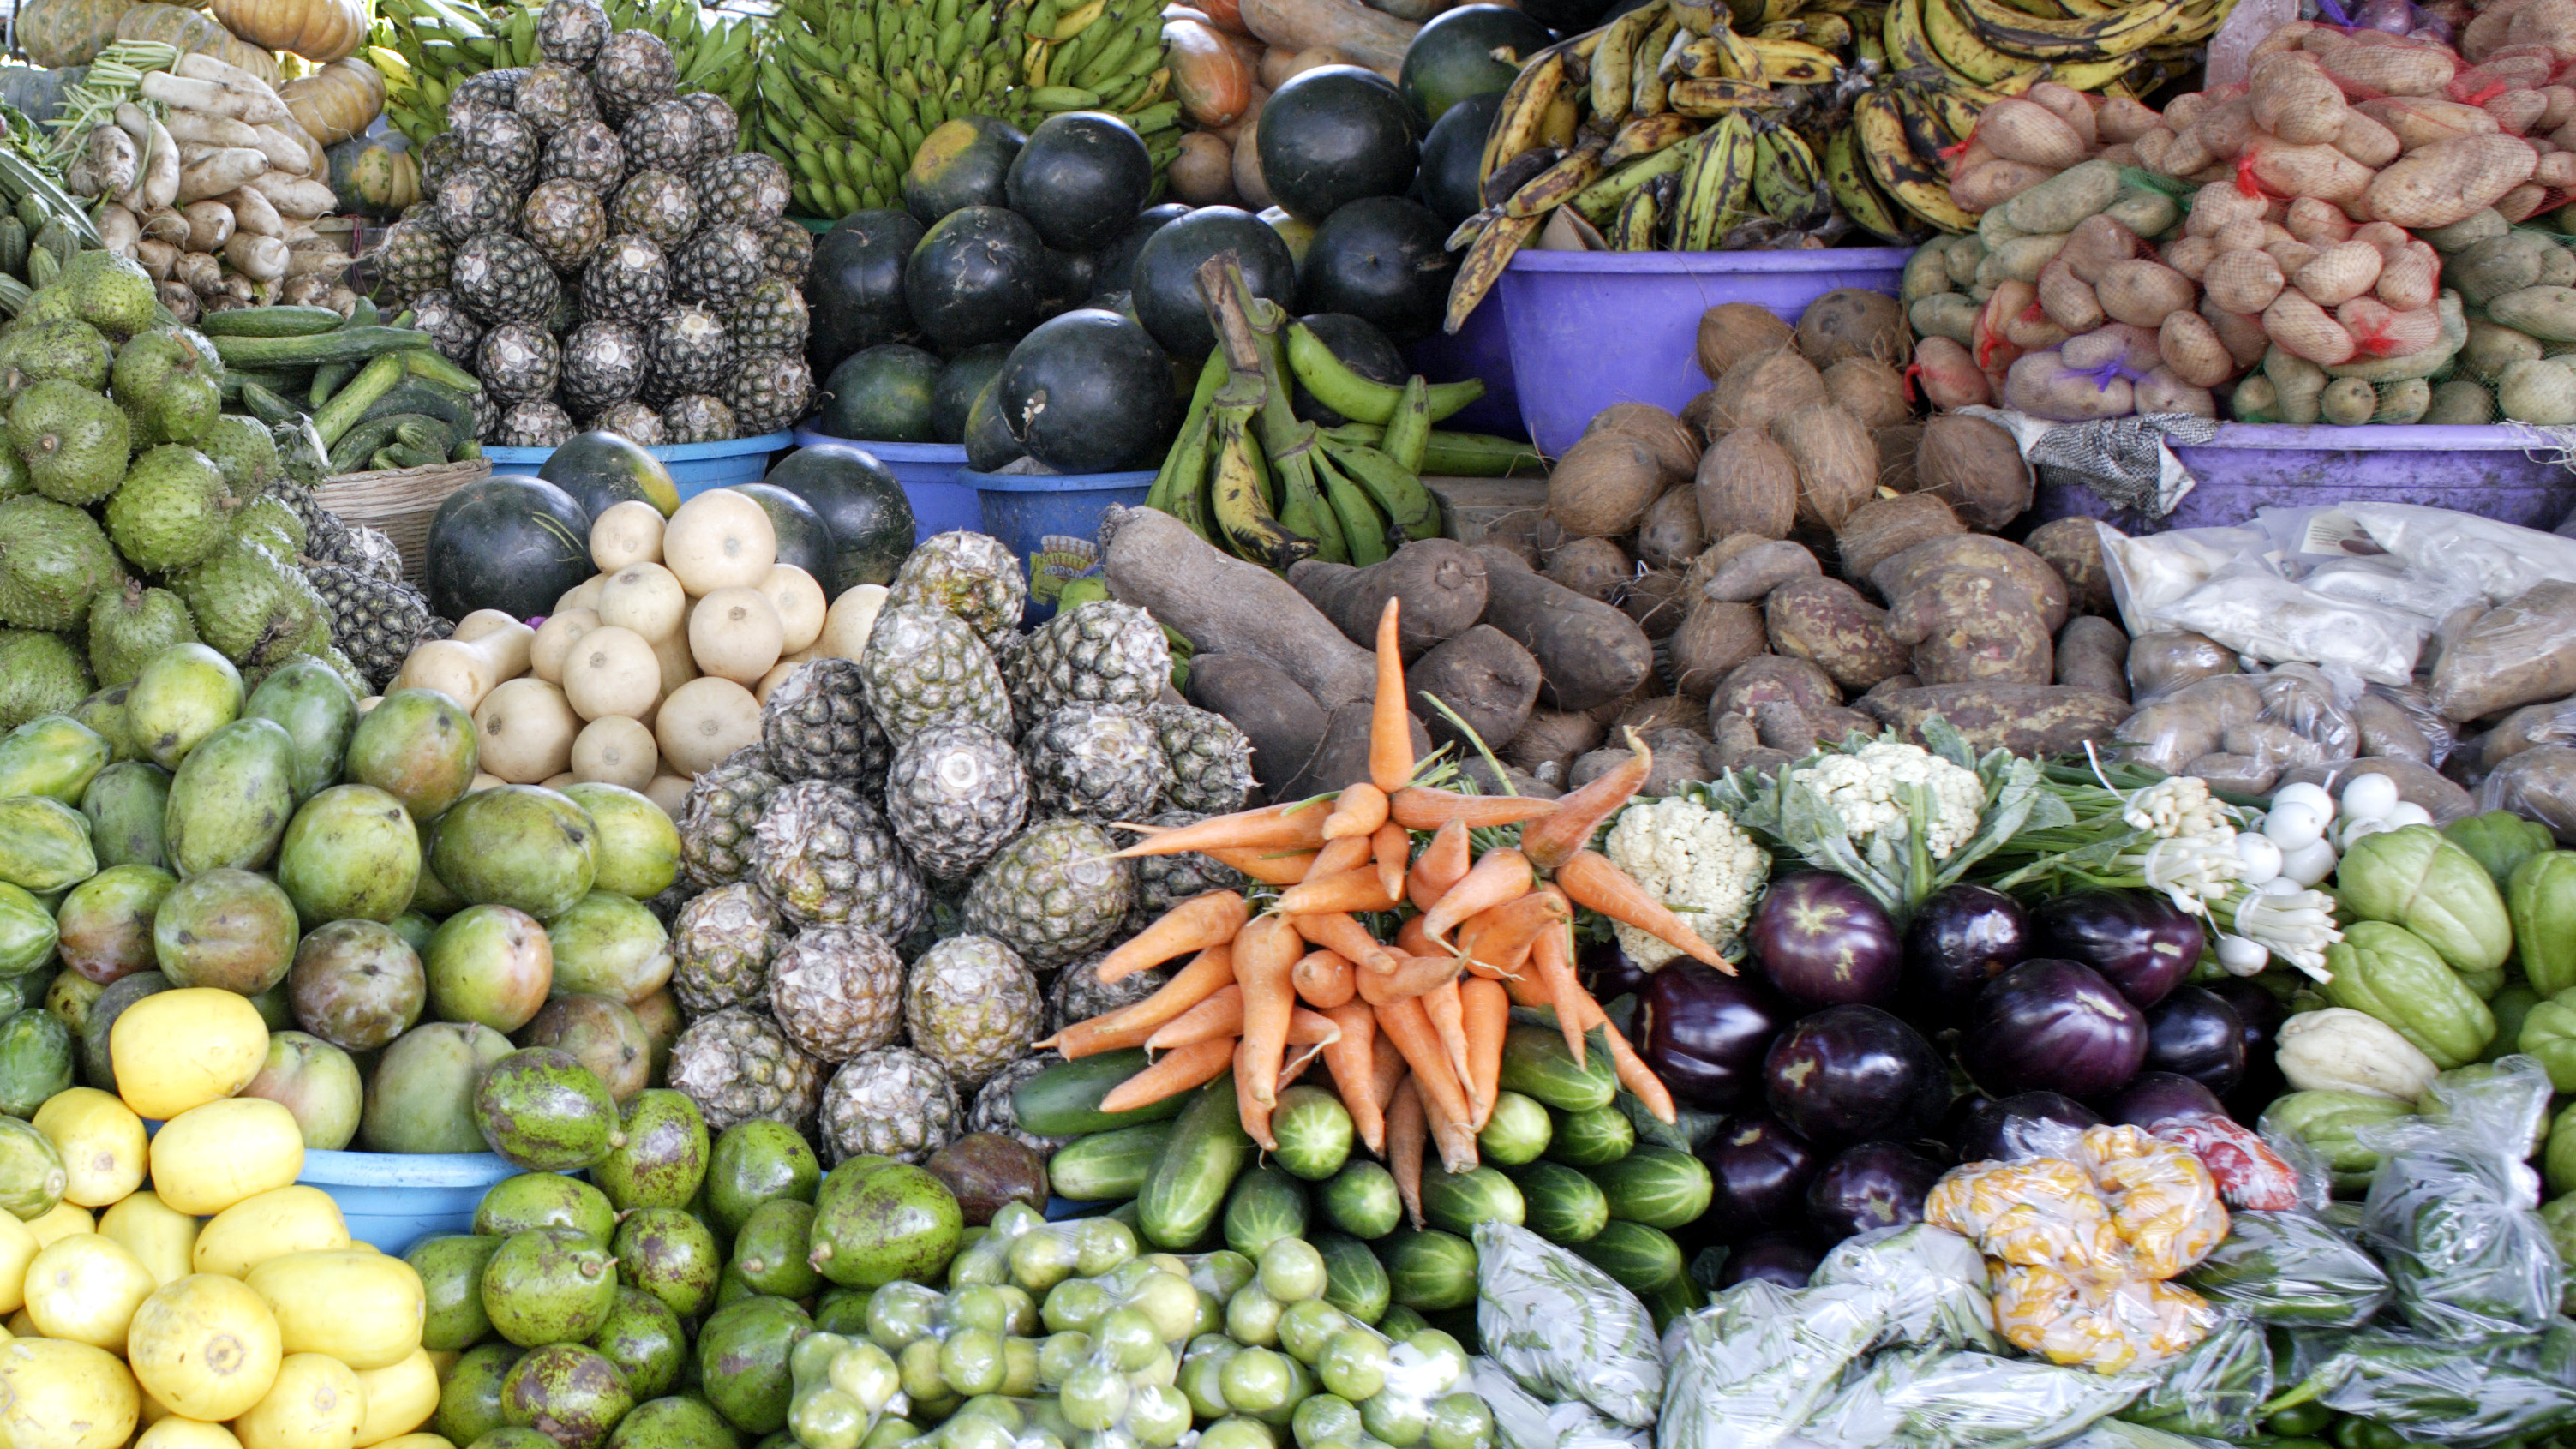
2499, 840
314, 704
27, 932
44, 845
231, 799
2540, 900
2415, 878
53, 755
2387, 972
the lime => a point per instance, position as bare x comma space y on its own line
1202, 1383
1256, 1381
1157, 1417
890, 1433
1094, 1397
979, 1307
1101, 1244
1042, 1259
866, 1373
1237, 1433
900, 1313
1076, 1303
1019, 1367
1020, 1311
1353, 1364
1129, 1338
970, 1361
1223, 1272
1210, 1314
1306, 1327
918, 1365
1292, 1271
1059, 1354
1170, 1303
1399, 1419
1252, 1317
1448, 1360
1325, 1417
810, 1361
1460, 1421
826, 1418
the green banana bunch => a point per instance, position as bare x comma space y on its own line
441, 43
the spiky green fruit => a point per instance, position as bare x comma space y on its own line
53, 561
171, 511
129, 625
74, 440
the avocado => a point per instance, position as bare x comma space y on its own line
549, 1285
664, 1158
645, 1339
544, 1200
670, 1254
469, 1394
875, 1222
773, 1249
451, 1275
742, 1360
543, 1111
566, 1391
754, 1162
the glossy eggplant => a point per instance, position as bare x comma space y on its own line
2139, 941
2261, 1013
2153, 1097
2053, 1026
1871, 1186
2197, 1034
1608, 973
2005, 1129
1772, 1257
1961, 939
1705, 1033
1760, 1169
1853, 1073
1825, 942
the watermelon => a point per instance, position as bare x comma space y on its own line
1115, 268
989, 445
1088, 393
804, 540
961, 163
1334, 134
1384, 260
1266, 1205
859, 502
602, 469
879, 394
1637, 1257
1470, 51
1561, 1204
1166, 283
508, 542
854, 290
952, 397
975, 277
1080, 177
1064, 281
1452, 155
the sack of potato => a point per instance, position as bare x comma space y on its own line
2023, 140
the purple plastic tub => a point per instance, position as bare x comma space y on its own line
1588, 329
1482, 349
2502, 472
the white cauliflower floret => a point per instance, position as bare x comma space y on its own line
1696, 862
1866, 791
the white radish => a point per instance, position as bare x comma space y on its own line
2238, 956
210, 225
2258, 858
166, 224
316, 262
2409, 813
2313, 796
222, 171
2309, 863
284, 152
138, 128
2293, 825
200, 273
158, 258
252, 213
294, 196
197, 65
109, 165
208, 130
161, 168
184, 93
118, 228
260, 258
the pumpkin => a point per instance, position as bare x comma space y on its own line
242, 55
168, 24
318, 30
67, 32
338, 101
373, 178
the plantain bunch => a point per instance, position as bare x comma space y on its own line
426, 48
1103, 55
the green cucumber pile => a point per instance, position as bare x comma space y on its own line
379, 396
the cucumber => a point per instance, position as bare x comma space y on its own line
328, 379
1064, 1100
1561, 1204
1265, 1206
1429, 1270
355, 400
348, 344
1107, 1166
1362, 1200
1638, 1258
1591, 1139
1536, 1064
411, 394
271, 322
1662, 1187
364, 314
1677, 1296
1314, 1132
1517, 1132
1456, 1202
362, 441
430, 366
1354, 1280
1181, 1196
265, 405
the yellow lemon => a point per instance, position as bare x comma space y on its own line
422, 1440
155, 1232
399, 1399
362, 1308
174, 1050
56, 1394
206, 1159
206, 1346
174, 1432
86, 1288
18, 1248
101, 1141
267, 1225
65, 1220
316, 1403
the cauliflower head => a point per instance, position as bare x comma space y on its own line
1696, 862
1866, 790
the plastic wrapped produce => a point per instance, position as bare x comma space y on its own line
1747, 1371
1929, 1399
1563, 1327
2451, 1211
1934, 1281
2471, 1394
2291, 1268
1523, 1422
2216, 1390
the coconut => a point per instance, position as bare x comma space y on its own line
1592, 567
1711, 642
1837, 463
1670, 536
1764, 386
2073, 547
1974, 466
1747, 484
1854, 322
1674, 443
1601, 487
1896, 447
1733, 331
1654, 600
1869, 390
1885, 527
1696, 414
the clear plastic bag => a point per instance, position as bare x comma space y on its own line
1747, 1371
1564, 1328
2217, 1389
2163, 662
2434, 1391
2149, 573
2533, 725
1520, 1420
1929, 1399
2292, 1269
2452, 1210
2304, 700
1934, 1280
2498, 560
2538, 784
2521, 652
2418, 706
2249, 607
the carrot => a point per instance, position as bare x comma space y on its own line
1264, 955
1406, 1127
1417, 975
1390, 718
1392, 846
1342, 933
1295, 1067
1254, 1112
1448, 1014
1497, 941
1456, 1140
1579, 813
1408, 1025
1178, 1071
1633, 1072
1360, 811
1298, 824
1501, 876
1211, 971
1266, 865
1553, 954
1421, 807
1351, 1058
1323, 979
1487, 1009
1219, 1015
1410, 940
1193, 925
1528, 992
1441, 865
1312, 1031
1338, 857
1590, 879
1386, 1069
1352, 890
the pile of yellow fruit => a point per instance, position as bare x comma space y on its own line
261, 1327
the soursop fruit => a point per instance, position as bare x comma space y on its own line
40, 673
172, 510
128, 626
53, 561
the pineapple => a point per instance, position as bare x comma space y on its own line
716, 821
972, 1005
414, 258
439, 155
767, 391
659, 205
837, 991
691, 353
1053, 894
791, 251
721, 947
750, 188
374, 622
926, 668
536, 423
719, 129
504, 143
636, 422
720, 265
956, 794
501, 278
603, 365
564, 221
892, 1102
586, 151
449, 325
628, 280
634, 69
1099, 762
738, 1065
1164, 881
1079, 994
664, 136
974, 576
553, 95
479, 95
771, 317
698, 418
571, 32
1211, 760
824, 854
518, 361
1101, 653
472, 201
816, 726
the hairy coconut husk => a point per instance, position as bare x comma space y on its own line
1596, 568
1665, 712
1669, 537
1896, 447
1975, 467
1674, 443
1855, 322
1733, 331
1601, 487
1654, 600
1747, 484
1766, 385
1869, 390
1837, 463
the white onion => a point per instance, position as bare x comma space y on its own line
2309, 863
2295, 824
2409, 813
2314, 796
2370, 796
2258, 858
2240, 957
2279, 885
2353, 828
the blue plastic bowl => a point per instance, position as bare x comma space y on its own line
928, 473
1021, 509
694, 467
395, 1199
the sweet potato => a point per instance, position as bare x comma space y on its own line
1982, 551
2027, 719
1801, 682
1441, 581
1485, 678
1590, 653
2073, 547
1280, 718
1549, 742
1713, 639
1226, 606
1970, 626
1756, 571
1342, 757
1828, 622
1654, 599
2093, 654
1885, 527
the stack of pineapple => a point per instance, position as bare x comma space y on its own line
598, 249
908, 882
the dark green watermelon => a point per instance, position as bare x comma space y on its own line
1167, 284
1115, 270
1064, 282
1362, 348
952, 397
880, 395
1081, 176
1382, 260
1452, 155
601, 469
1088, 393
860, 503
976, 278
804, 539
1461, 53
960, 164
508, 542
854, 291
1334, 134
989, 445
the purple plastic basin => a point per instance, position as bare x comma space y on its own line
1588, 329
2501, 472
1482, 349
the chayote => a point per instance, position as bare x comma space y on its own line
2326, 1122
27, 932
2415, 878
2387, 973
2499, 840
2559, 1215
2540, 901
2510, 1006
2558, 1159
2549, 1037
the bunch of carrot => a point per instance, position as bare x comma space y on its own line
1264, 996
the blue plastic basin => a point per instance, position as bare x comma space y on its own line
395, 1199
929, 475
694, 467
1021, 509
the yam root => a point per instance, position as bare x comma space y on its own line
1441, 581
1484, 677
1590, 653
1226, 606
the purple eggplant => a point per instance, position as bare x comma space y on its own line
1772, 1257
2153, 1097
1874, 1185
2014, 1127
1760, 1170
1705, 1033
2196, 1034
2261, 1013
1825, 942
2053, 1026
1961, 939
2139, 941
1608, 972
1852, 1073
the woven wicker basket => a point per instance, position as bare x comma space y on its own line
400, 501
